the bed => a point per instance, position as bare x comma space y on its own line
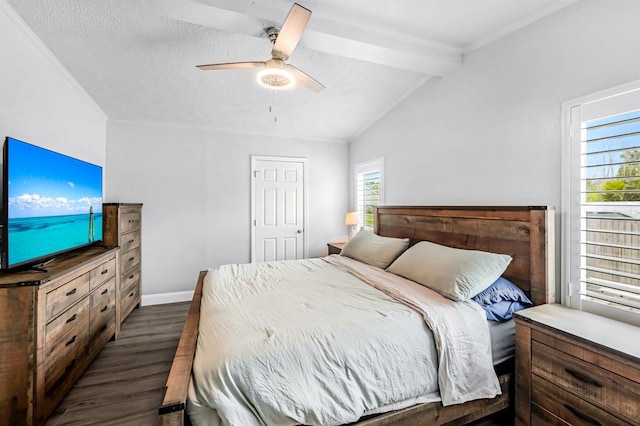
524, 233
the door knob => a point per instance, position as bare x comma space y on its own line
299, 231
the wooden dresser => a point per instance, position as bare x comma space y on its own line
52, 325
122, 225
576, 368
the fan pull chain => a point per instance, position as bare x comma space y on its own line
272, 101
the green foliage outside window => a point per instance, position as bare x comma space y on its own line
625, 188
371, 197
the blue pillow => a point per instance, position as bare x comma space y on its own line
501, 299
503, 310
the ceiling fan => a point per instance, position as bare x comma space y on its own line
276, 73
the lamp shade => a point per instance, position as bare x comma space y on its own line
351, 218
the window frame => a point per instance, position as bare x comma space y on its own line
376, 164
608, 102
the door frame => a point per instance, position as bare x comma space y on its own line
303, 160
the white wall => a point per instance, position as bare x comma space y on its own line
196, 189
490, 133
40, 102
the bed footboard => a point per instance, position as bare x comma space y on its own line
172, 410
435, 414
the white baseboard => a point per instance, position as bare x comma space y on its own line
161, 298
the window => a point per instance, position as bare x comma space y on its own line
601, 196
369, 190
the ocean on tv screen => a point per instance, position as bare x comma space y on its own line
35, 237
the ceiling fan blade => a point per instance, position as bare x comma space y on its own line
291, 32
231, 65
304, 79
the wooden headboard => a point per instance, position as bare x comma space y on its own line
524, 233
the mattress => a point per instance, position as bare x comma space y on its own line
503, 340
308, 342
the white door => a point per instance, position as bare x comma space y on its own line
278, 208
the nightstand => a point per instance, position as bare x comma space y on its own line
335, 248
573, 367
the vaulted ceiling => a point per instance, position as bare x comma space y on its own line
137, 58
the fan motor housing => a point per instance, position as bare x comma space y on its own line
272, 33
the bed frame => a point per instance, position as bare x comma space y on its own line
525, 233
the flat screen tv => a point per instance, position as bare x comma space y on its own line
52, 203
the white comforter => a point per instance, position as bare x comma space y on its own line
306, 342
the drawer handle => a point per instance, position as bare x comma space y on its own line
131, 258
71, 318
583, 378
104, 309
105, 291
131, 276
131, 295
582, 416
103, 328
70, 292
70, 366
104, 272
73, 339
130, 241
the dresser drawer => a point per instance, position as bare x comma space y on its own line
64, 296
129, 300
129, 241
550, 399
74, 338
130, 292
103, 273
77, 314
104, 292
597, 385
69, 354
129, 220
102, 323
129, 259
128, 279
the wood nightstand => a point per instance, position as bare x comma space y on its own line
573, 367
335, 248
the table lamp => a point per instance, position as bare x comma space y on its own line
352, 220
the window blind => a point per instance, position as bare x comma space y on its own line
610, 211
368, 185
369, 181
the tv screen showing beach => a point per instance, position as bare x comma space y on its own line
54, 202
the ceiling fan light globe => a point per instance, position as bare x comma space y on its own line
275, 78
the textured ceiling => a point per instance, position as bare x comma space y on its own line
137, 58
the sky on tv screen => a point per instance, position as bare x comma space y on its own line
45, 183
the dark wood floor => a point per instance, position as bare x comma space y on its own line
124, 384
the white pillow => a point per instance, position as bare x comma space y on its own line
456, 274
373, 249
